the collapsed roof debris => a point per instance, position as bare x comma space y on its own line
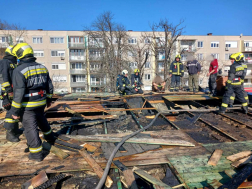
189, 145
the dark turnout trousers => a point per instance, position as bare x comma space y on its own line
193, 80
31, 120
238, 90
232, 98
175, 82
212, 83
10, 123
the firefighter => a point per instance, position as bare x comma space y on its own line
234, 83
7, 65
136, 81
176, 71
33, 90
232, 98
123, 84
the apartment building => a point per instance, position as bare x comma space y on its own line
73, 59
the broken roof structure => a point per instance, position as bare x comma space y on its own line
188, 145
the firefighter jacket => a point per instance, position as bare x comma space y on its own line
32, 86
136, 81
177, 68
7, 65
237, 73
122, 82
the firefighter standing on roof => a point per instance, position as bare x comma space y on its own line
7, 65
136, 81
176, 72
33, 90
234, 83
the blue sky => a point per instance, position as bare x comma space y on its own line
220, 17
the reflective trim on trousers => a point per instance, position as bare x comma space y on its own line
36, 150
224, 105
48, 132
245, 104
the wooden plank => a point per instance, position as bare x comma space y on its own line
240, 155
96, 167
215, 184
150, 178
215, 157
58, 152
36, 181
94, 138
242, 161
246, 185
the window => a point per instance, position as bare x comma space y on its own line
147, 65
200, 56
130, 53
216, 56
200, 44
59, 78
147, 76
214, 44
76, 52
147, 40
183, 57
133, 65
248, 44
58, 53
79, 90
38, 53
227, 56
95, 53
161, 55
76, 40
78, 78
132, 40
98, 42
77, 66
55, 67
231, 44
37, 40
94, 66
5, 39
56, 39
58, 66
19, 39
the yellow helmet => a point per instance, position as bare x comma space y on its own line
237, 56
21, 50
136, 71
178, 56
8, 50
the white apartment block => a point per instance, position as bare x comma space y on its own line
66, 54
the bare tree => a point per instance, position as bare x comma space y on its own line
108, 40
14, 33
165, 35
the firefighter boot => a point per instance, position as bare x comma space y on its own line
36, 156
49, 137
245, 109
11, 136
17, 131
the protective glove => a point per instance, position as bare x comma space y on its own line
6, 103
9, 89
122, 89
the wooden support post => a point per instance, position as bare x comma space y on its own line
215, 157
96, 167
150, 178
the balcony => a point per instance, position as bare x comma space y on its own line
97, 84
248, 49
76, 45
78, 71
95, 58
188, 48
77, 58
78, 84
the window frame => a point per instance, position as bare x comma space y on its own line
59, 39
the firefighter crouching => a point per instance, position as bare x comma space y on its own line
33, 90
176, 71
7, 65
136, 81
123, 84
234, 83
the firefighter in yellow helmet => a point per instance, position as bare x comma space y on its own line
176, 72
234, 83
7, 66
33, 90
136, 81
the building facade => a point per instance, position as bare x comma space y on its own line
73, 60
